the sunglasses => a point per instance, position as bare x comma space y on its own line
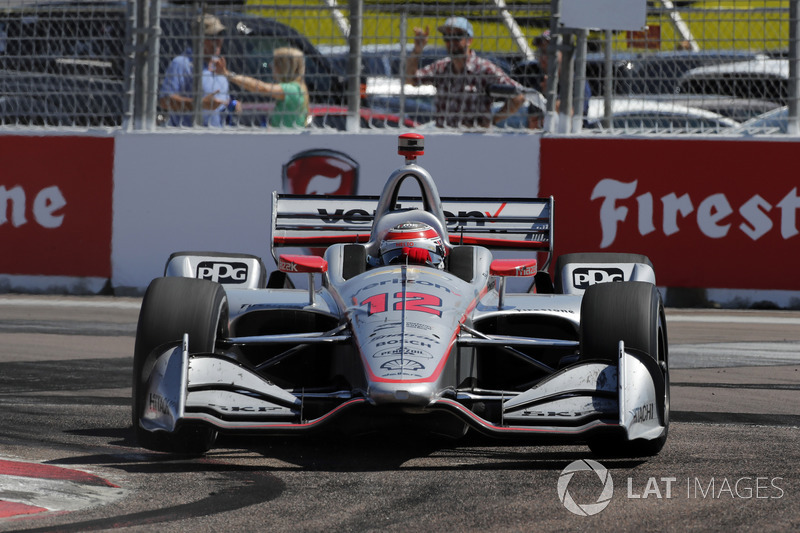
454, 36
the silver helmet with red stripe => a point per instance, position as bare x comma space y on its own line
412, 243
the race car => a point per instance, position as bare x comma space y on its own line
407, 320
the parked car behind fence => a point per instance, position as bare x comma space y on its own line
68, 64
651, 116
761, 78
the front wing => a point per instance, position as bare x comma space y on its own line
577, 401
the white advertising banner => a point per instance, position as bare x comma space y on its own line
604, 14
212, 192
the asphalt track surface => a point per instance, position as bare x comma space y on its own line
68, 463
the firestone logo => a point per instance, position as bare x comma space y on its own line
585, 509
712, 213
45, 206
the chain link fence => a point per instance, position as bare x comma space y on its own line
710, 67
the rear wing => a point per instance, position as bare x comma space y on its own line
314, 221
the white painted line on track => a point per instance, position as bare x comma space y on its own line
90, 304
729, 319
729, 354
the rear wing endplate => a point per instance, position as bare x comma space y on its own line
312, 221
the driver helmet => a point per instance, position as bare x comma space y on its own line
412, 243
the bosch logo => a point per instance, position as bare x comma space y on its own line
582, 278
222, 272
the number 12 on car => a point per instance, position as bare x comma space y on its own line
413, 301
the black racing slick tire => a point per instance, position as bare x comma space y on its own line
171, 307
633, 312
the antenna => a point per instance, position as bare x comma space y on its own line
411, 145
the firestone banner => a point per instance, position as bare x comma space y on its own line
709, 214
55, 205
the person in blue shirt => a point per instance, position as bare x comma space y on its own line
176, 95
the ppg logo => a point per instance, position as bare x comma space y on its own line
583, 277
222, 272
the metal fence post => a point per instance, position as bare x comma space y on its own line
403, 59
198, 31
139, 63
354, 66
567, 68
153, 52
129, 79
579, 86
551, 116
608, 80
794, 68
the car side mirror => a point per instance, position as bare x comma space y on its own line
310, 264
301, 263
513, 267
503, 268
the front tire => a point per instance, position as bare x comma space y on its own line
171, 307
632, 312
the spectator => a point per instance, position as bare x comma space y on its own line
537, 106
177, 90
462, 79
289, 91
541, 42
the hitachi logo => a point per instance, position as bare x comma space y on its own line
158, 404
642, 414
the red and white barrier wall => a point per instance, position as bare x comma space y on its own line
708, 213
55, 211
81, 212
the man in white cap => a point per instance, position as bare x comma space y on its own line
462, 79
177, 89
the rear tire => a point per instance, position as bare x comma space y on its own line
171, 307
630, 311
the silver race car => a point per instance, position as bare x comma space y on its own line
406, 321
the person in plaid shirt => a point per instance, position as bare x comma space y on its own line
462, 79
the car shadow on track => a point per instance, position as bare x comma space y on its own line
333, 452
